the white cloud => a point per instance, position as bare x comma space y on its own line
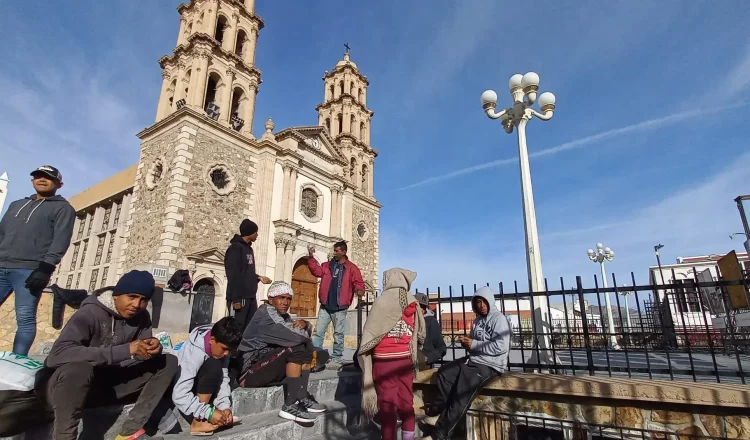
649, 124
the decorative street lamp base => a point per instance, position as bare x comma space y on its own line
541, 356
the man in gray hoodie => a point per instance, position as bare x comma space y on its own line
459, 381
34, 235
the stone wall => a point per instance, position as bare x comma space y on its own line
491, 420
212, 219
364, 250
45, 334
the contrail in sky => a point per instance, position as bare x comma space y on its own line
579, 143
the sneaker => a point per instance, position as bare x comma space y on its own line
312, 405
334, 364
296, 413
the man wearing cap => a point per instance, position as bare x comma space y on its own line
242, 278
434, 346
35, 233
107, 353
277, 349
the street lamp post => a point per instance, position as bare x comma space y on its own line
601, 255
625, 293
523, 89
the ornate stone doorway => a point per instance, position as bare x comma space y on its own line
203, 303
305, 286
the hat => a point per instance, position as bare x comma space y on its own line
279, 288
50, 171
139, 282
422, 299
248, 227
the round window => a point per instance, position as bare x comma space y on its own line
220, 179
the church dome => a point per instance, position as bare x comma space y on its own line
346, 62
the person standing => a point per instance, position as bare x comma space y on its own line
434, 346
35, 233
242, 278
340, 279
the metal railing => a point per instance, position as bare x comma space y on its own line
679, 331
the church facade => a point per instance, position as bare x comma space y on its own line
202, 170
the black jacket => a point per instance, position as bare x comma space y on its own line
434, 346
239, 264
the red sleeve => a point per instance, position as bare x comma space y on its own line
357, 281
315, 268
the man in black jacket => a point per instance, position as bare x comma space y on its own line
34, 235
242, 278
434, 346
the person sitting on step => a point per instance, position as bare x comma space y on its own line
277, 349
106, 353
202, 391
459, 381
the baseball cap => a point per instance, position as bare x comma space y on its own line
50, 171
422, 299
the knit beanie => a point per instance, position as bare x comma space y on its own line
139, 282
279, 288
248, 227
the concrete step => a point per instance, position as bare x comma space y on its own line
326, 385
338, 422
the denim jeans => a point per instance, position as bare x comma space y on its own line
14, 280
339, 327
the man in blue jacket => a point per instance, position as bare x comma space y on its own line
459, 381
34, 235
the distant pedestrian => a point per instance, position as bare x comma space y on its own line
35, 233
434, 345
242, 278
340, 280
391, 339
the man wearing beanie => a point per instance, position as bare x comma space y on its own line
277, 349
242, 278
106, 353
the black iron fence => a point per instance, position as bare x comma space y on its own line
686, 330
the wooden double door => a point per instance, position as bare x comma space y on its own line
305, 287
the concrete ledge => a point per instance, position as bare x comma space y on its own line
644, 390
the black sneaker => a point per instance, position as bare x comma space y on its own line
296, 413
312, 405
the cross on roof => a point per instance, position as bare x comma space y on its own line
346, 45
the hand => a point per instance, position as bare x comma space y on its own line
217, 418
154, 346
39, 278
465, 341
264, 280
360, 293
300, 323
310, 251
140, 349
236, 305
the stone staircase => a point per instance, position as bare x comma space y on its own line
258, 408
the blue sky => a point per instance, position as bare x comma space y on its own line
649, 142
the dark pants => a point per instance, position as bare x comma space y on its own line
270, 369
394, 383
459, 383
209, 378
78, 385
245, 313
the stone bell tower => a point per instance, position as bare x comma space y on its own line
199, 162
345, 115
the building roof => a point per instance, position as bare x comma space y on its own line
109, 187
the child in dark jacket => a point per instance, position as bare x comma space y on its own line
105, 353
202, 391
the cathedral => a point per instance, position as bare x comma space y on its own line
202, 170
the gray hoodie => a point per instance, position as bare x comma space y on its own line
97, 334
267, 330
191, 356
490, 335
34, 231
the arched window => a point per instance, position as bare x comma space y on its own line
341, 123
331, 92
171, 92
359, 95
341, 87
236, 110
352, 125
353, 171
328, 125
351, 88
309, 202
189, 29
221, 25
362, 132
239, 45
365, 177
186, 82
213, 83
